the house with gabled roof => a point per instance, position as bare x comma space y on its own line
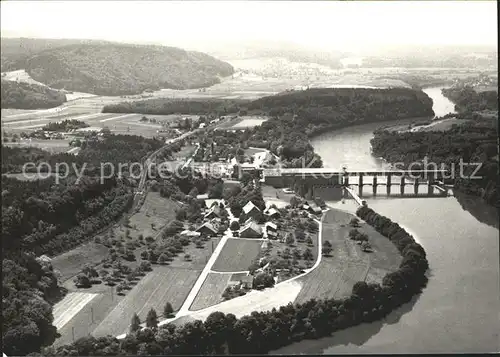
272, 212
207, 229
251, 210
214, 212
251, 230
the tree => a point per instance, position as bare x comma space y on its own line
135, 324
354, 222
119, 289
187, 257
289, 239
309, 241
162, 259
234, 226
263, 280
152, 319
327, 248
168, 310
294, 201
82, 281
145, 266
308, 255
300, 235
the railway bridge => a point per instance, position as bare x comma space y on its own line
329, 183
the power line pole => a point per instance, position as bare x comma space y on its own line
73, 332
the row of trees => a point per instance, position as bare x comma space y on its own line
261, 332
65, 125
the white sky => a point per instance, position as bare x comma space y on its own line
324, 24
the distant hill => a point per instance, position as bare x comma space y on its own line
29, 96
107, 68
275, 49
17, 50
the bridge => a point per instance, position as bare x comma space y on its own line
329, 183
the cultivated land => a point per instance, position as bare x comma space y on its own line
53, 146
347, 264
164, 284
155, 209
237, 255
243, 122
211, 291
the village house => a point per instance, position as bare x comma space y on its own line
251, 230
271, 226
314, 208
207, 229
272, 213
214, 212
241, 280
246, 282
251, 210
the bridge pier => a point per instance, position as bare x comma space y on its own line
389, 177
430, 182
402, 185
374, 185
360, 186
416, 186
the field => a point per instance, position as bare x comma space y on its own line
154, 213
237, 255
69, 307
164, 284
242, 123
71, 263
118, 123
211, 291
155, 210
328, 280
54, 146
347, 263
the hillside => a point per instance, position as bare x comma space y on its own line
16, 50
29, 96
118, 69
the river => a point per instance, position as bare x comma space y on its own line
441, 105
459, 310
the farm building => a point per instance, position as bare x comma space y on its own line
251, 210
314, 208
207, 229
251, 230
189, 233
244, 280
210, 202
270, 226
214, 212
202, 197
272, 213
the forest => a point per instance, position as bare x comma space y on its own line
467, 100
472, 142
121, 69
20, 95
162, 106
42, 217
262, 332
